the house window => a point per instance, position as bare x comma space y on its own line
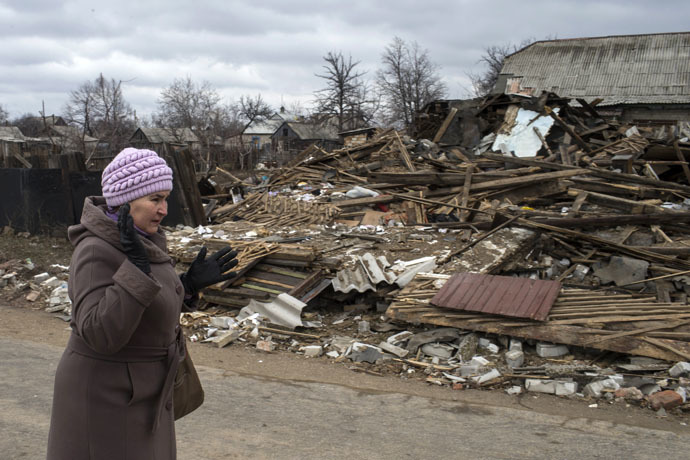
285, 132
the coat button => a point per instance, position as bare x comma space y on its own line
168, 405
178, 289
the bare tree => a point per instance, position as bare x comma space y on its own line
186, 104
29, 124
251, 109
344, 98
407, 81
99, 110
493, 59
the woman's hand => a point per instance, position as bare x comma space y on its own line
204, 272
130, 240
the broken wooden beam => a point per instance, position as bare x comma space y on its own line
444, 126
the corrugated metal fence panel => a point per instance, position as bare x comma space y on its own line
499, 295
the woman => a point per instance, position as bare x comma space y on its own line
113, 385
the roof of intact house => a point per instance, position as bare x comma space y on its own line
11, 134
169, 135
624, 69
313, 130
73, 132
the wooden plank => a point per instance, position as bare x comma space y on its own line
281, 271
636, 332
623, 204
681, 157
568, 129
668, 346
477, 240
365, 201
403, 153
670, 261
306, 284
444, 126
464, 213
590, 109
598, 172
541, 138
613, 220
531, 179
565, 334
22, 160
269, 282
619, 319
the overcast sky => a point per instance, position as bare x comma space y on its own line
275, 47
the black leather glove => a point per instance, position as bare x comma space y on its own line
204, 272
131, 243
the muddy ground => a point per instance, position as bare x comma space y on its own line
25, 320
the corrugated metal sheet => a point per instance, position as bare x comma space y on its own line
500, 295
369, 272
632, 69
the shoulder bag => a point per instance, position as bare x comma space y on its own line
188, 394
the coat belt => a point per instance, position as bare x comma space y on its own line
173, 354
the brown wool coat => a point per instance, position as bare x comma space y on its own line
108, 382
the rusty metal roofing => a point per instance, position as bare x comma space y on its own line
499, 295
629, 69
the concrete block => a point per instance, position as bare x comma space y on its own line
390, 348
487, 377
551, 350
51, 282
618, 378
565, 388
467, 370
667, 399
362, 352
540, 386
363, 327
223, 322
649, 388
400, 337
438, 350
680, 368
629, 393
483, 343
515, 345
492, 348
514, 390
333, 354
479, 361
621, 270
265, 345
312, 351
595, 389
41, 277
515, 358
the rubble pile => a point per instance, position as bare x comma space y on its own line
573, 226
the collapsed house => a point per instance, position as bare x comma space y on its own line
509, 223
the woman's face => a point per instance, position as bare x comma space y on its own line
148, 211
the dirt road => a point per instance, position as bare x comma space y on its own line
283, 406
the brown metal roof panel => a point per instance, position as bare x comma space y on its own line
500, 295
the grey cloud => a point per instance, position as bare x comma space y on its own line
274, 47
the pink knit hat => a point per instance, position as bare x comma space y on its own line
135, 173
